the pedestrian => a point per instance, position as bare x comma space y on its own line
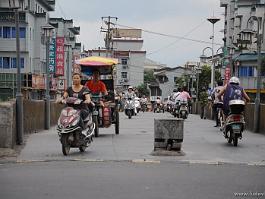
203, 102
216, 101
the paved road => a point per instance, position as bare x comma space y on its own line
202, 143
120, 180
120, 166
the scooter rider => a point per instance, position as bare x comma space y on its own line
232, 91
130, 93
79, 91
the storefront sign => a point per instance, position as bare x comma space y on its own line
60, 56
52, 53
76, 67
10, 16
61, 84
38, 82
227, 74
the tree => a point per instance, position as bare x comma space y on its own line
205, 77
149, 76
143, 90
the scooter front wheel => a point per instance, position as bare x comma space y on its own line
82, 148
65, 144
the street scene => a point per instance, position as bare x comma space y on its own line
121, 99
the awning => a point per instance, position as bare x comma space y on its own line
246, 57
97, 61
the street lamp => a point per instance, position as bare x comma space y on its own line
47, 33
212, 20
246, 38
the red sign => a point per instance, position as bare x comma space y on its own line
59, 56
227, 74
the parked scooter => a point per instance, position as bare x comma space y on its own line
235, 123
129, 107
70, 130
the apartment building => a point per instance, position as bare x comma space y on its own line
241, 60
32, 15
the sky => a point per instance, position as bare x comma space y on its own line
178, 18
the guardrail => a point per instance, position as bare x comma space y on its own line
249, 115
33, 117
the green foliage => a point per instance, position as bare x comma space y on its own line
149, 76
205, 77
182, 81
143, 90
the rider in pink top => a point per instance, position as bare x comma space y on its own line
184, 95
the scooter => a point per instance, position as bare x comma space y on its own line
183, 110
235, 123
137, 104
129, 108
70, 130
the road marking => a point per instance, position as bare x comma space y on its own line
145, 161
88, 160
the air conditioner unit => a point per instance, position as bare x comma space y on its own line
124, 66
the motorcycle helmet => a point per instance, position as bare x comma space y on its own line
234, 80
175, 90
130, 87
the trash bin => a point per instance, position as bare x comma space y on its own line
168, 134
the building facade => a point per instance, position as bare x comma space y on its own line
241, 59
32, 15
65, 29
127, 48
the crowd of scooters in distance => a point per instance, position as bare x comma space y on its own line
131, 104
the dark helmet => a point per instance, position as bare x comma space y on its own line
175, 90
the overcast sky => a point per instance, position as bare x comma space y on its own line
173, 17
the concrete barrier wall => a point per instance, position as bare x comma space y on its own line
34, 115
7, 124
33, 119
249, 115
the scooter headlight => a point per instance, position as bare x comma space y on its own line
76, 121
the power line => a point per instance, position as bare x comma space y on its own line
156, 51
171, 36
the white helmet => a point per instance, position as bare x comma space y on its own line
130, 87
234, 80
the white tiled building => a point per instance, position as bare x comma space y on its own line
33, 15
127, 48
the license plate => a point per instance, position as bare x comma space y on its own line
95, 112
236, 127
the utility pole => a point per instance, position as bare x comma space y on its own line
19, 96
108, 38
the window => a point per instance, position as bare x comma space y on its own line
6, 62
1, 31
13, 62
1, 62
246, 71
124, 61
6, 32
13, 32
124, 75
22, 63
22, 32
